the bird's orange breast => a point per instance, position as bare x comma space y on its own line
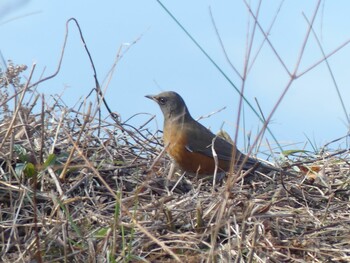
176, 141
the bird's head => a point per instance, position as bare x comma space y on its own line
172, 105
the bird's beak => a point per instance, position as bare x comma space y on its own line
152, 97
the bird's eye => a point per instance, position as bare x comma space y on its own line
162, 100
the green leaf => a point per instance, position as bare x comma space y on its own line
51, 160
289, 152
102, 233
30, 170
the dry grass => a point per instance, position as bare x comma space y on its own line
74, 188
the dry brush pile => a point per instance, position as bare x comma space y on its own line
78, 188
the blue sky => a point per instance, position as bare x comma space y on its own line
164, 58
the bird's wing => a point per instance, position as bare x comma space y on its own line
201, 142
199, 139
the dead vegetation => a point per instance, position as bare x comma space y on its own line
76, 188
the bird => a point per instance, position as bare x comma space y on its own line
191, 145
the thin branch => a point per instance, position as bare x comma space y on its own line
222, 45
322, 59
330, 71
267, 33
268, 40
306, 39
19, 104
